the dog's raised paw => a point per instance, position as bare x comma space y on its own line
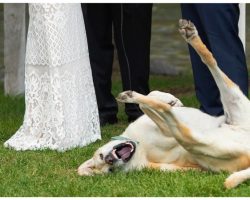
125, 97
187, 29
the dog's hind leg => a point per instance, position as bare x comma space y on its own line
237, 178
235, 103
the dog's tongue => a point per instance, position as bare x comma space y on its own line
124, 152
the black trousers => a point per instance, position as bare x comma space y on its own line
217, 25
136, 31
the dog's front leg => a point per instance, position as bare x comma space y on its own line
161, 114
146, 104
168, 167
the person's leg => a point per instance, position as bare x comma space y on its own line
217, 25
136, 34
98, 22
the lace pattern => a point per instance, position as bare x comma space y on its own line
61, 110
53, 39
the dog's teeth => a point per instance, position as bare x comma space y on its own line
114, 154
132, 147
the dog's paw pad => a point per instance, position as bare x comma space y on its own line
187, 29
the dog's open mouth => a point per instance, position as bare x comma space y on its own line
124, 151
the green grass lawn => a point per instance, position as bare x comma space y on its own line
49, 173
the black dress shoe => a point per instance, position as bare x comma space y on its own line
108, 120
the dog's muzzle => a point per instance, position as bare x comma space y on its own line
123, 151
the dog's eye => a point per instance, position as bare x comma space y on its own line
101, 156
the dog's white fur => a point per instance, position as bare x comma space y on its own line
173, 137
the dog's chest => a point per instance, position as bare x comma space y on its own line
164, 155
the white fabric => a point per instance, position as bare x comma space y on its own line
242, 24
61, 110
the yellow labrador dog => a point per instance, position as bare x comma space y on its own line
172, 137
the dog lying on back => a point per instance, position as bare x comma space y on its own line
172, 137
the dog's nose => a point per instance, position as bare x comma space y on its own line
109, 159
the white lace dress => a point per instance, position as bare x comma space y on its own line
61, 110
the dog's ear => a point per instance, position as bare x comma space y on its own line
86, 169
